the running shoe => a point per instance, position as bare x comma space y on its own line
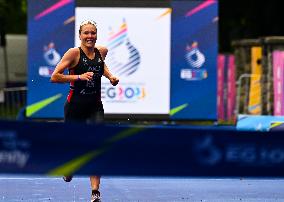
68, 178
96, 196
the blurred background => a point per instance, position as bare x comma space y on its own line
198, 80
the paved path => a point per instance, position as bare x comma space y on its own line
134, 189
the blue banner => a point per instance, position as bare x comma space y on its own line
61, 148
194, 59
259, 122
51, 34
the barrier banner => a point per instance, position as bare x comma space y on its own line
226, 92
259, 122
125, 150
220, 87
231, 86
254, 106
278, 82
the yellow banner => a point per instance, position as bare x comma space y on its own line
255, 85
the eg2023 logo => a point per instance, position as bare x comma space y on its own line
123, 92
123, 59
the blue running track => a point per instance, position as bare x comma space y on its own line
133, 189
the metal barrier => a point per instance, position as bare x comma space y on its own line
243, 85
12, 100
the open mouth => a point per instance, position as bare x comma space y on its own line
90, 41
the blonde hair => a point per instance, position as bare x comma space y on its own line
86, 22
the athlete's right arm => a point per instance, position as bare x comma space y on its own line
69, 60
66, 61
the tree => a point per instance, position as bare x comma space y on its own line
14, 15
3, 6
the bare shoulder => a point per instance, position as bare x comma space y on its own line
71, 57
73, 52
103, 50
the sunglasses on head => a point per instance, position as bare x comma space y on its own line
88, 22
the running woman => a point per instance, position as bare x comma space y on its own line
86, 66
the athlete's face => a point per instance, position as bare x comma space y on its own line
88, 35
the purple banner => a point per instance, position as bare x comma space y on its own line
278, 73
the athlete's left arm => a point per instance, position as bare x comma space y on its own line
113, 79
103, 51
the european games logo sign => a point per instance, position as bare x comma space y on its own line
51, 57
124, 58
195, 58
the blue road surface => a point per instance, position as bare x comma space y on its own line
136, 189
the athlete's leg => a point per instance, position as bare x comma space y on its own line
72, 113
95, 185
95, 182
96, 116
75, 112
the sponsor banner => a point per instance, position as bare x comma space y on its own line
226, 93
138, 40
258, 122
278, 83
220, 90
51, 34
254, 106
277, 126
231, 89
194, 59
126, 150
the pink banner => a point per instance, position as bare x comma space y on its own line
278, 73
231, 100
220, 89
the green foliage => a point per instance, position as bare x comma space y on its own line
14, 14
3, 8
24, 6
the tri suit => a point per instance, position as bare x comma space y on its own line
83, 102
